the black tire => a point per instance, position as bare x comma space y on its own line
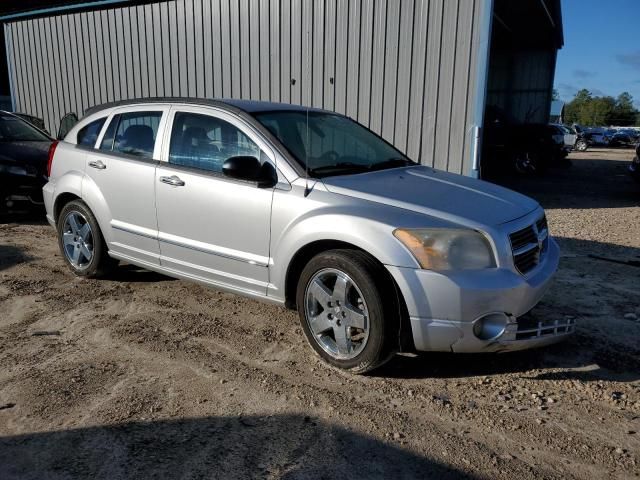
581, 146
380, 296
100, 263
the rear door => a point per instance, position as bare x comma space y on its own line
121, 170
212, 227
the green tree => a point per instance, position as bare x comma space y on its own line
624, 113
585, 109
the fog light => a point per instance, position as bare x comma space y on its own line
490, 326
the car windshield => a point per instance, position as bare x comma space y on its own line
14, 129
327, 144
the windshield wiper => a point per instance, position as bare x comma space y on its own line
392, 163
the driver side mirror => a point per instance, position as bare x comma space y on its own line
250, 169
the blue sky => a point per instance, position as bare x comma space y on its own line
601, 48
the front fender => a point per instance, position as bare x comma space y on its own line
365, 225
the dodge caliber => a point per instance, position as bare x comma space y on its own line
309, 210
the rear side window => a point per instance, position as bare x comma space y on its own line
88, 135
206, 142
133, 133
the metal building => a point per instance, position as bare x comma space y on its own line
415, 71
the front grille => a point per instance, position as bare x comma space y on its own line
529, 244
529, 326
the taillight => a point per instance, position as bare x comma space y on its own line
52, 151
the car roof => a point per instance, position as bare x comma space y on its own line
247, 106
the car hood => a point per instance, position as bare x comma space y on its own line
33, 154
448, 196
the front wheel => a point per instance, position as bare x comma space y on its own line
347, 309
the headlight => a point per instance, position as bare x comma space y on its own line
447, 248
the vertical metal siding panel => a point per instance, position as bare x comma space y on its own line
390, 78
72, 23
245, 50
366, 57
216, 48
151, 34
430, 100
353, 53
377, 67
72, 74
225, 48
329, 54
113, 54
52, 107
472, 85
199, 25
307, 53
265, 50
37, 70
405, 74
121, 53
207, 48
318, 53
102, 69
93, 75
32, 72
445, 81
188, 50
458, 127
83, 63
130, 62
42, 71
18, 43
172, 35
11, 30
184, 73
340, 83
234, 29
285, 51
296, 52
252, 21
416, 94
275, 52
143, 65
163, 58
56, 81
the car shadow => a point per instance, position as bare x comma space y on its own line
133, 274
11, 255
588, 183
32, 217
274, 446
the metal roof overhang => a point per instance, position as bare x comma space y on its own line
527, 24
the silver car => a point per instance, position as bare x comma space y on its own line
310, 210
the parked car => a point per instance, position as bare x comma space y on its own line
623, 138
568, 134
23, 163
526, 148
634, 168
310, 210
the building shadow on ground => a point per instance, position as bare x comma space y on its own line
278, 446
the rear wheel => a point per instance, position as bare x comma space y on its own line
347, 310
80, 241
581, 145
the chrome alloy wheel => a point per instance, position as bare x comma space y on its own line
337, 314
77, 240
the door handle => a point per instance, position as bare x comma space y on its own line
172, 180
97, 164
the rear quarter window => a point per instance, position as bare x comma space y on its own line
88, 135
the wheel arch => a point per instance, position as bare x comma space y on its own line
305, 253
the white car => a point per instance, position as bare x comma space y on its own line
309, 210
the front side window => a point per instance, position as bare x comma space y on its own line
133, 133
327, 144
88, 134
206, 142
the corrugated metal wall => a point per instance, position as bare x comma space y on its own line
521, 83
405, 68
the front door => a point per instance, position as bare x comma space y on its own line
211, 227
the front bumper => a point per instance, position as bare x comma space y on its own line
443, 307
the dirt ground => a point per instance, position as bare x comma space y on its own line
142, 376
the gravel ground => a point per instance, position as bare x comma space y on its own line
141, 376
